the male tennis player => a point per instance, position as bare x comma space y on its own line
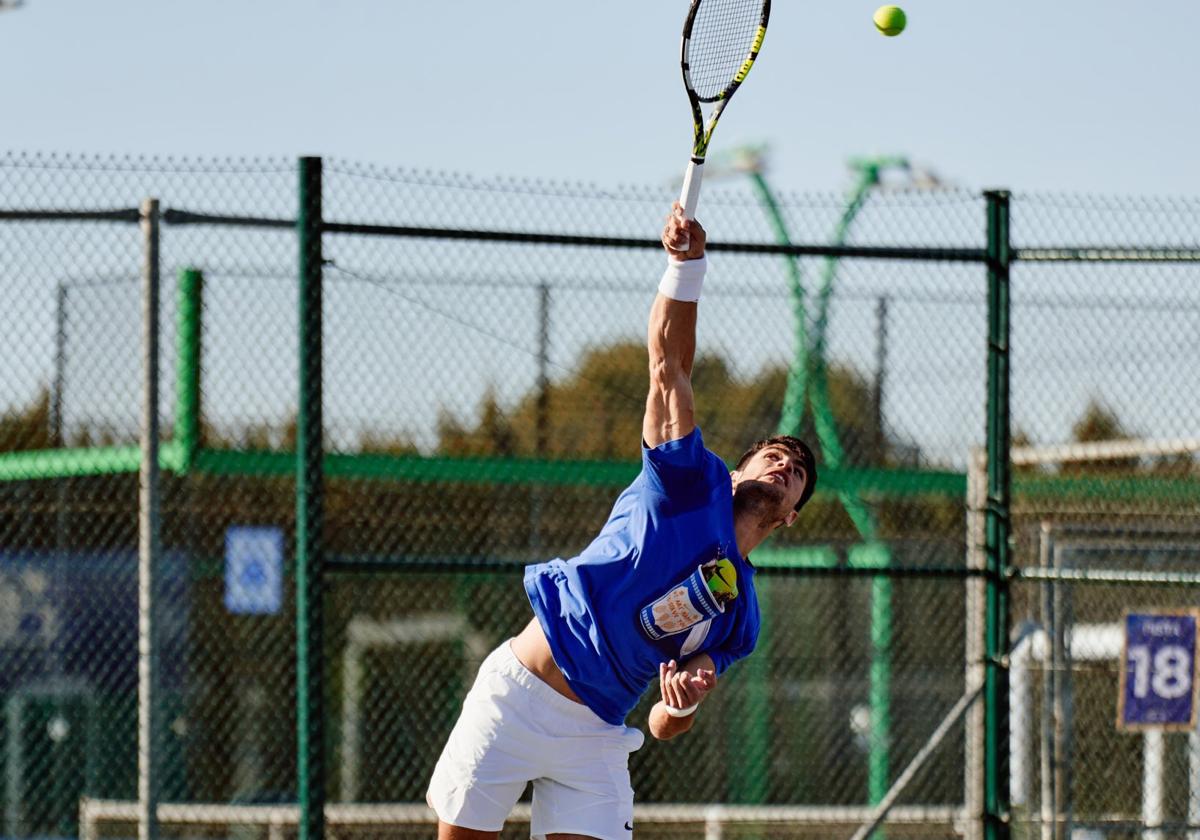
665, 589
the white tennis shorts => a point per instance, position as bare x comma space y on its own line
515, 729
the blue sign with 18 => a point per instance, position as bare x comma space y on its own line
1158, 686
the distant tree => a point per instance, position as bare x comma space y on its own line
597, 411
97, 435
381, 443
254, 436
493, 435
28, 426
1099, 423
1021, 438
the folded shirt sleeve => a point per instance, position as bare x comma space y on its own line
681, 470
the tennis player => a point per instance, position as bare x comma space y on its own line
666, 589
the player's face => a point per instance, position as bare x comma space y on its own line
775, 474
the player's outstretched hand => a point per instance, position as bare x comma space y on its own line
681, 689
683, 238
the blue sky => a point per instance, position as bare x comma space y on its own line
1037, 97
1095, 97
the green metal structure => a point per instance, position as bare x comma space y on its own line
810, 359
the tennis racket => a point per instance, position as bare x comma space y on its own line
721, 40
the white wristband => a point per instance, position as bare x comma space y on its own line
683, 279
673, 712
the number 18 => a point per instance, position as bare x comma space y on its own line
1168, 674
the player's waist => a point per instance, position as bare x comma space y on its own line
533, 653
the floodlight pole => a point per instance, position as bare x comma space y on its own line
881, 349
149, 528
542, 419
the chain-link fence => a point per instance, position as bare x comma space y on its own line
474, 386
1104, 527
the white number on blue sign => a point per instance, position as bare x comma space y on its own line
1168, 673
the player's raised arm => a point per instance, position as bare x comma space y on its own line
671, 335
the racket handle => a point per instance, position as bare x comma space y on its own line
690, 196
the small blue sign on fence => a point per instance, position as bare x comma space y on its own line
1158, 680
253, 570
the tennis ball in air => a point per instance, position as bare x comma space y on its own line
890, 20
722, 580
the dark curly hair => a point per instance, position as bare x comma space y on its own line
799, 450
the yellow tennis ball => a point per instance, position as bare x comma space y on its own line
890, 20
722, 579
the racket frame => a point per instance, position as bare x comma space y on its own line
702, 131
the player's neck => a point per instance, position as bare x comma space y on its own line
749, 530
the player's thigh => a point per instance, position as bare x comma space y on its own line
493, 751
483, 769
454, 832
588, 794
563, 811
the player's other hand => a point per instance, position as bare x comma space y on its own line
681, 689
683, 238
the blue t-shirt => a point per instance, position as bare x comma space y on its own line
637, 595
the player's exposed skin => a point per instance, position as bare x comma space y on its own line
766, 490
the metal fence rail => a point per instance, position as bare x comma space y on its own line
712, 821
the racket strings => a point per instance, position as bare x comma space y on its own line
722, 36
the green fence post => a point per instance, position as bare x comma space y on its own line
187, 369
310, 697
995, 770
750, 761
877, 555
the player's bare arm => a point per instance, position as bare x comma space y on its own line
671, 341
681, 688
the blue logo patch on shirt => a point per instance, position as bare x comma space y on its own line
691, 601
